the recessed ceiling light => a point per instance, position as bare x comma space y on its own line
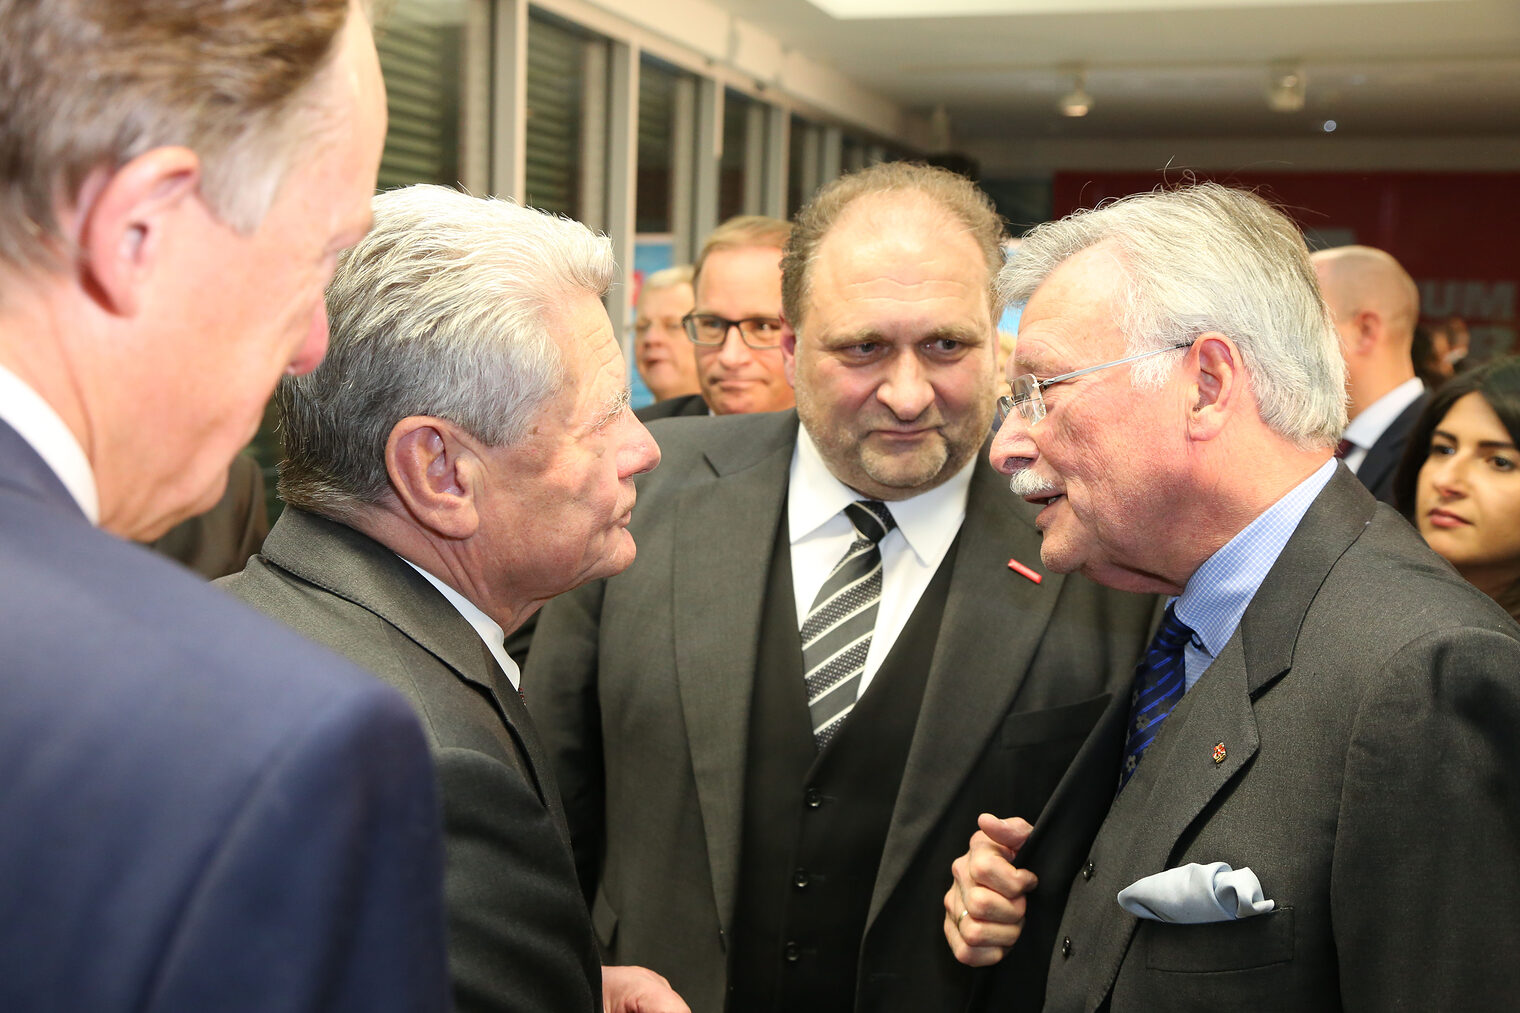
1287, 86
1076, 102
1328, 126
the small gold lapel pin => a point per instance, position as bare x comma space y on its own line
1219, 753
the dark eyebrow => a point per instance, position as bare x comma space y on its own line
1488, 444
866, 335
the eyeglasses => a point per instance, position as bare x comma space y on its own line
1029, 400
711, 330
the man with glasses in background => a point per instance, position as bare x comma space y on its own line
1308, 798
772, 731
735, 326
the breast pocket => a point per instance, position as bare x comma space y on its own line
1075, 720
1036, 747
1258, 941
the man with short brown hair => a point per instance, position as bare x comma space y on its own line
736, 322
768, 728
202, 810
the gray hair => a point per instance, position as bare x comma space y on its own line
443, 309
1210, 258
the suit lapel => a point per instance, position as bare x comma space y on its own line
1177, 779
966, 697
1383, 456
358, 569
718, 594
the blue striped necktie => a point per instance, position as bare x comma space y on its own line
1160, 681
836, 636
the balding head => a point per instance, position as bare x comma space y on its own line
1376, 305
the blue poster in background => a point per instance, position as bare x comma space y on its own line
651, 253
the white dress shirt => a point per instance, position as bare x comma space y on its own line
911, 552
24, 410
1368, 427
490, 633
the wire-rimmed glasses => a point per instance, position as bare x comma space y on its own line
1028, 396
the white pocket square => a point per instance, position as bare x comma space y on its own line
1195, 894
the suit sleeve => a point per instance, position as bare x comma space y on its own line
511, 909
324, 893
560, 689
1425, 881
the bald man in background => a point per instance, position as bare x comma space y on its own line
1376, 306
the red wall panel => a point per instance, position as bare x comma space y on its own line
1455, 233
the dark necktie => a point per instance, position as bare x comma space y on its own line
1160, 681
837, 632
1343, 448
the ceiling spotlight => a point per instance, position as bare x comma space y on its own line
1328, 126
1076, 102
1287, 86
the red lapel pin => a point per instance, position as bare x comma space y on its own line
1024, 571
1219, 753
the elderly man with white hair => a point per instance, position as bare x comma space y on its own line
1308, 800
465, 453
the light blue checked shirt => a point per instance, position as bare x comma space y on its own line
1218, 592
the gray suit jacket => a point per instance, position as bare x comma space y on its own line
519, 932
642, 685
1368, 708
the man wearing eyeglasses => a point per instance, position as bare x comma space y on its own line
1308, 799
735, 327
774, 729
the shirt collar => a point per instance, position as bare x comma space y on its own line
24, 410
928, 521
485, 627
1368, 426
1218, 592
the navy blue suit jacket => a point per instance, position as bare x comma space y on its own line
199, 810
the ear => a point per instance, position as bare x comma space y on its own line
1369, 330
789, 350
434, 473
1219, 385
121, 219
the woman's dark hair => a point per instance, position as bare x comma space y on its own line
1498, 382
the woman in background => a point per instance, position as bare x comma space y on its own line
1460, 478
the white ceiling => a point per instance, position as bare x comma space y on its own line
1174, 68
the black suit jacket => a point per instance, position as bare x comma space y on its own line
1353, 745
673, 407
519, 932
201, 810
1382, 461
642, 685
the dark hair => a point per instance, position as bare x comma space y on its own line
1498, 382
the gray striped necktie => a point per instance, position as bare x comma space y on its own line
837, 632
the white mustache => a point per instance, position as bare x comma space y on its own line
1026, 483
